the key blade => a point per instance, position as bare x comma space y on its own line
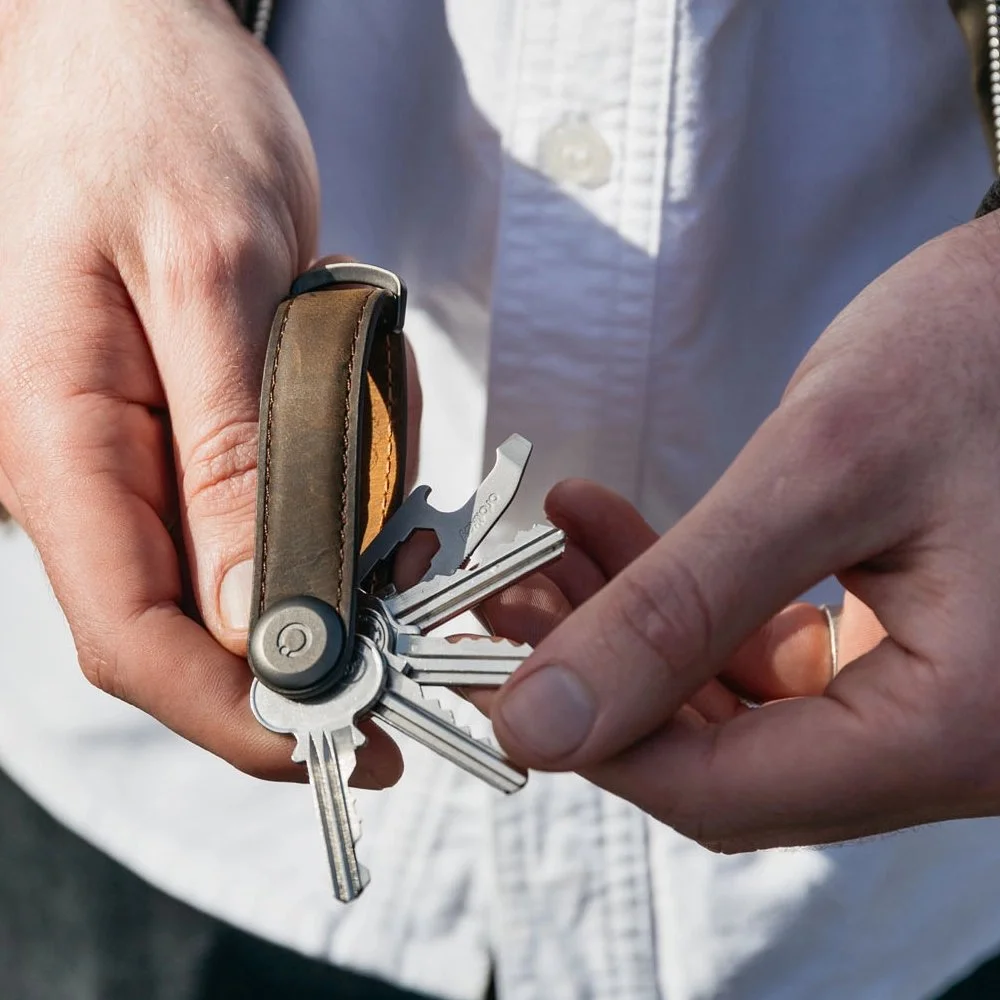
404, 708
469, 526
326, 741
459, 532
470, 661
330, 759
432, 602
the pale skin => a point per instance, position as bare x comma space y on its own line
158, 193
881, 465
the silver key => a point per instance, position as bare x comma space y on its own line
470, 661
461, 531
404, 707
327, 741
432, 602
394, 661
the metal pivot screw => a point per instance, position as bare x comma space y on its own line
298, 644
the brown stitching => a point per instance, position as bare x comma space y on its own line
267, 459
347, 438
390, 405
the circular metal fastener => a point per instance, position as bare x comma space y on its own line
297, 644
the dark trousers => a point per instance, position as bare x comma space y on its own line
75, 925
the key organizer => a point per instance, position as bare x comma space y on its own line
331, 461
331, 640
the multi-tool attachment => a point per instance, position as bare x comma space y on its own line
332, 641
459, 532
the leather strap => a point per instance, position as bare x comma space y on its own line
332, 448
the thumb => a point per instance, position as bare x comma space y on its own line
783, 517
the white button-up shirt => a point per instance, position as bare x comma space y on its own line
623, 223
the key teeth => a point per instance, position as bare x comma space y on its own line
537, 531
446, 715
487, 550
512, 644
436, 708
413, 692
539, 527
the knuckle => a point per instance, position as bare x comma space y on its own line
723, 847
102, 668
696, 825
30, 369
209, 251
203, 257
220, 472
852, 445
665, 609
100, 648
643, 614
832, 435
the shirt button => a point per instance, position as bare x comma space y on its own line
575, 152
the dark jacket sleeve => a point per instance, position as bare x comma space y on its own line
971, 17
247, 11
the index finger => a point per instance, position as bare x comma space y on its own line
115, 571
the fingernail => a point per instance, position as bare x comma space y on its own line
550, 713
234, 597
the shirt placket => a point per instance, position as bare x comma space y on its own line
585, 143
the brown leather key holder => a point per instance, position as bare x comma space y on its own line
330, 469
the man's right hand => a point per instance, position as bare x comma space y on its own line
158, 194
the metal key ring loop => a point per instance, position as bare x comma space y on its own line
832, 613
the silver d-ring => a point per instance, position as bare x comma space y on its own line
832, 613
